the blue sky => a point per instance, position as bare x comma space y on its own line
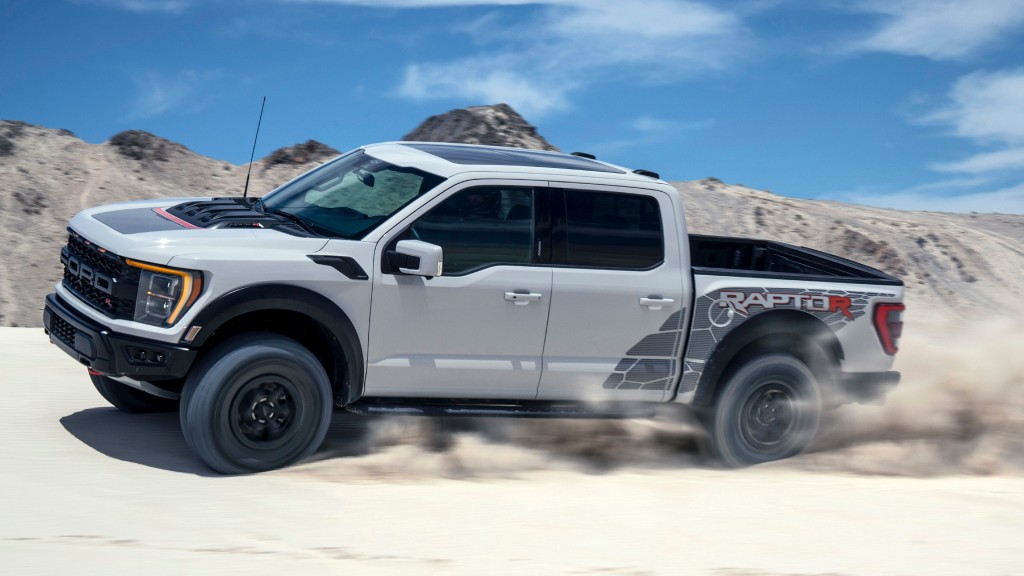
900, 103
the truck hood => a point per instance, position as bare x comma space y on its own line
145, 230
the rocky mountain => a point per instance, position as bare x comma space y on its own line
46, 176
308, 152
968, 264
497, 125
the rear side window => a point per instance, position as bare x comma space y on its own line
610, 230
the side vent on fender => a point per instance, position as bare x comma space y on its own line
347, 265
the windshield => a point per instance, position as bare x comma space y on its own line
350, 196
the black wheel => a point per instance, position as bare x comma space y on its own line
256, 402
131, 400
768, 410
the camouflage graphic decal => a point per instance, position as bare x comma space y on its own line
653, 362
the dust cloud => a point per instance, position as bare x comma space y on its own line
959, 409
410, 447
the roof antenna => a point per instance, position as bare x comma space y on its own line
253, 154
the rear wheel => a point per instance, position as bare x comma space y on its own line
256, 402
768, 410
131, 400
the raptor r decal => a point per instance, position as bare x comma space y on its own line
742, 301
720, 312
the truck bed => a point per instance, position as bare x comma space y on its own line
725, 256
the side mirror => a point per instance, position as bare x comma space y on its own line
418, 258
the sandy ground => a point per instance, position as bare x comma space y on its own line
85, 489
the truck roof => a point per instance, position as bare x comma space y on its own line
447, 159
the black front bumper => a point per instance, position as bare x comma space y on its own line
102, 350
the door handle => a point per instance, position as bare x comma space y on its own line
522, 297
655, 302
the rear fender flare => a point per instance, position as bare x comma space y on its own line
781, 330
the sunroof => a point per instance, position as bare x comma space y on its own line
472, 155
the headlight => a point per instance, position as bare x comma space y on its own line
164, 293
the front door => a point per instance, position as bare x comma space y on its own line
478, 329
617, 322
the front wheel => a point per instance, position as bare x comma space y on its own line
768, 410
256, 402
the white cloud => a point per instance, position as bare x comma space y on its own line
144, 6
484, 82
946, 196
657, 40
569, 44
1004, 201
645, 131
424, 3
985, 106
649, 19
998, 161
652, 125
161, 93
985, 109
938, 29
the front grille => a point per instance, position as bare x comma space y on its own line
99, 277
64, 331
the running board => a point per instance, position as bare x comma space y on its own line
500, 409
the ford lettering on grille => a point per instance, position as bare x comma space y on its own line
99, 277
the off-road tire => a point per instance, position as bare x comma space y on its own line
768, 410
256, 402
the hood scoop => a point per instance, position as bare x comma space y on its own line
231, 213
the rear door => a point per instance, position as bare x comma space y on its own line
476, 331
617, 322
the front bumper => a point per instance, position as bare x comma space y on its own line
868, 387
107, 352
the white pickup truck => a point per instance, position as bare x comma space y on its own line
457, 280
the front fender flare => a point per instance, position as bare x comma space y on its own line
276, 297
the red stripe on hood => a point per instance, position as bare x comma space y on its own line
173, 218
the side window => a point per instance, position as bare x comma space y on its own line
609, 230
480, 227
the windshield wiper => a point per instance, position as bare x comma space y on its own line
306, 224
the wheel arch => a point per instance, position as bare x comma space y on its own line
792, 331
298, 313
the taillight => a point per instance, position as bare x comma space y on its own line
889, 325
